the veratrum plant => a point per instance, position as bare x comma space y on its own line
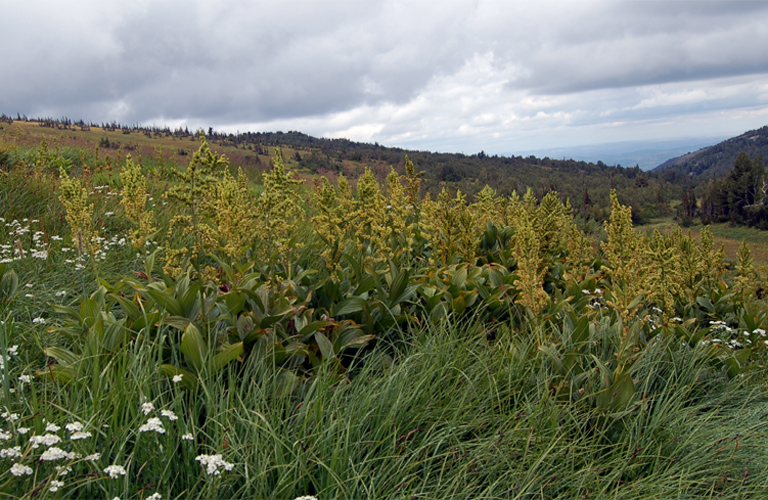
134, 200
74, 197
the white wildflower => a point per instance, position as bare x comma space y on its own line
147, 408
54, 453
153, 424
189, 437
63, 470
74, 427
212, 463
114, 471
25, 379
51, 427
23, 430
155, 496
38, 321
169, 415
177, 378
11, 417
54, 486
14, 452
4, 436
93, 457
80, 435
306, 497
46, 439
20, 470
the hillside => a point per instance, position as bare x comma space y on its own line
715, 161
585, 184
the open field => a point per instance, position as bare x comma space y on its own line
174, 331
726, 235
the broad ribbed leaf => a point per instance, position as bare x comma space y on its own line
325, 346
193, 346
165, 301
65, 357
227, 355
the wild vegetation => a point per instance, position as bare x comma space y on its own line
182, 331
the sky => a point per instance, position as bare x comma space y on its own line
504, 77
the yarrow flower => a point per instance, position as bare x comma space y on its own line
169, 415
63, 470
38, 321
74, 427
155, 496
114, 471
25, 379
147, 408
93, 457
56, 453
11, 417
306, 497
80, 435
51, 427
21, 470
46, 439
14, 452
177, 378
54, 486
212, 463
153, 424
187, 437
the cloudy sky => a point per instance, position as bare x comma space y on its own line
455, 75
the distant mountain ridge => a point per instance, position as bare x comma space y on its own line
718, 160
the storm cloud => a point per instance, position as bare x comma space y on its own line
451, 76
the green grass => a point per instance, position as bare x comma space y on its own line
454, 416
726, 235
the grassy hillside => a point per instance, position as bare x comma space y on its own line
586, 185
174, 330
715, 161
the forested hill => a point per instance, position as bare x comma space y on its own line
587, 185
715, 161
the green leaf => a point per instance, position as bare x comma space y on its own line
325, 346
460, 278
65, 357
349, 306
131, 309
193, 346
115, 335
165, 301
227, 355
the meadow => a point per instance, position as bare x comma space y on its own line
189, 330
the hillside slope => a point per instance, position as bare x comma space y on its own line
715, 161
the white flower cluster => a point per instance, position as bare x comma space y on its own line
55, 453
74, 427
213, 463
45, 439
154, 424
14, 452
114, 470
21, 470
169, 415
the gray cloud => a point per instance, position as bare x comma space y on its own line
463, 72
